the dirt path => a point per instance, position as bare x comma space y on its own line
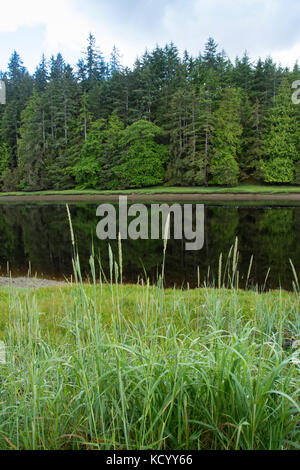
153, 197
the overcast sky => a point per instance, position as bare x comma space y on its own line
262, 27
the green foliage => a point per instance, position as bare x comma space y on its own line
87, 169
113, 157
143, 157
190, 118
225, 171
278, 170
281, 140
5, 159
218, 120
252, 139
100, 152
125, 367
86, 173
297, 173
226, 139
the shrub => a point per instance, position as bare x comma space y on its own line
225, 172
278, 170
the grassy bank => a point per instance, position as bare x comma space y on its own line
241, 189
106, 366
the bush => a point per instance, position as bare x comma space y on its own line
278, 170
225, 172
10, 180
144, 157
297, 173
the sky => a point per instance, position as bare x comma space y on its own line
261, 27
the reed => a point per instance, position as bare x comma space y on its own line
102, 365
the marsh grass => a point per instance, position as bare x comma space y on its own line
239, 189
102, 365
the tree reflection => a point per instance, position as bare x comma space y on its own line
39, 234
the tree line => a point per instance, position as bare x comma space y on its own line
187, 121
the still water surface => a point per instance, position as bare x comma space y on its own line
39, 236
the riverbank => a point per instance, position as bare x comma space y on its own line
139, 367
29, 282
241, 192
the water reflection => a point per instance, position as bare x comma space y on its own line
39, 235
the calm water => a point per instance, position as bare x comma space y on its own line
39, 235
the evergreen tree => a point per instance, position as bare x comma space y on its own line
144, 157
88, 168
94, 63
64, 117
5, 158
101, 153
120, 91
18, 90
281, 139
115, 62
32, 147
252, 138
226, 139
190, 119
41, 75
210, 121
210, 57
242, 73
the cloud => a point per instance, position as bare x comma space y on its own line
287, 56
64, 26
259, 26
262, 27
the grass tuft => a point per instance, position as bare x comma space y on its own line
111, 366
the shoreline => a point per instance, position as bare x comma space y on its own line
197, 196
30, 282
23, 282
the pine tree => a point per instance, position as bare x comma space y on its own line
32, 149
115, 62
226, 139
5, 159
119, 92
190, 121
251, 139
18, 90
243, 73
219, 121
144, 90
65, 111
210, 57
41, 75
281, 139
177, 121
95, 66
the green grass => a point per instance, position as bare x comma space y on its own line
241, 189
110, 366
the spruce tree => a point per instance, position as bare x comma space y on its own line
219, 121
190, 120
226, 139
32, 149
251, 139
281, 139
18, 90
41, 75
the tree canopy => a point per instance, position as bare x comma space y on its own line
170, 119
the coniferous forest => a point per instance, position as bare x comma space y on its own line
181, 121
